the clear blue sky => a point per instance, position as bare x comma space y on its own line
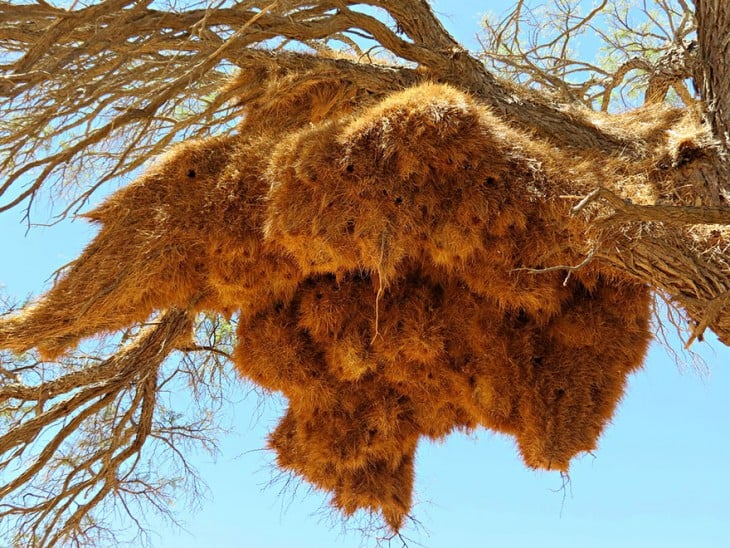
659, 478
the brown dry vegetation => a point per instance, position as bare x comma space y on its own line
386, 264
408, 252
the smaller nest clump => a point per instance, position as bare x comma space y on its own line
379, 258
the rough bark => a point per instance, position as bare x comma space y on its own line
103, 61
421, 39
48, 38
712, 75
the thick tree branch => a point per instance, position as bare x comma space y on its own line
105, 87
667, 260
109, 60
683, 215
712, 73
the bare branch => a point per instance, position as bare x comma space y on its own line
90, 437
635, 38
89, 94
626, 211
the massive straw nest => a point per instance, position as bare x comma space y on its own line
379, 258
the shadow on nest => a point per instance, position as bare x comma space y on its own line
377, 250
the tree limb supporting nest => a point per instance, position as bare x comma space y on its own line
386, 235
627, 211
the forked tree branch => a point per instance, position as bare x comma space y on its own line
107, 63
103, 88
124, 389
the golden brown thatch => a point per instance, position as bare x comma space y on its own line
385, 256
185, 235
